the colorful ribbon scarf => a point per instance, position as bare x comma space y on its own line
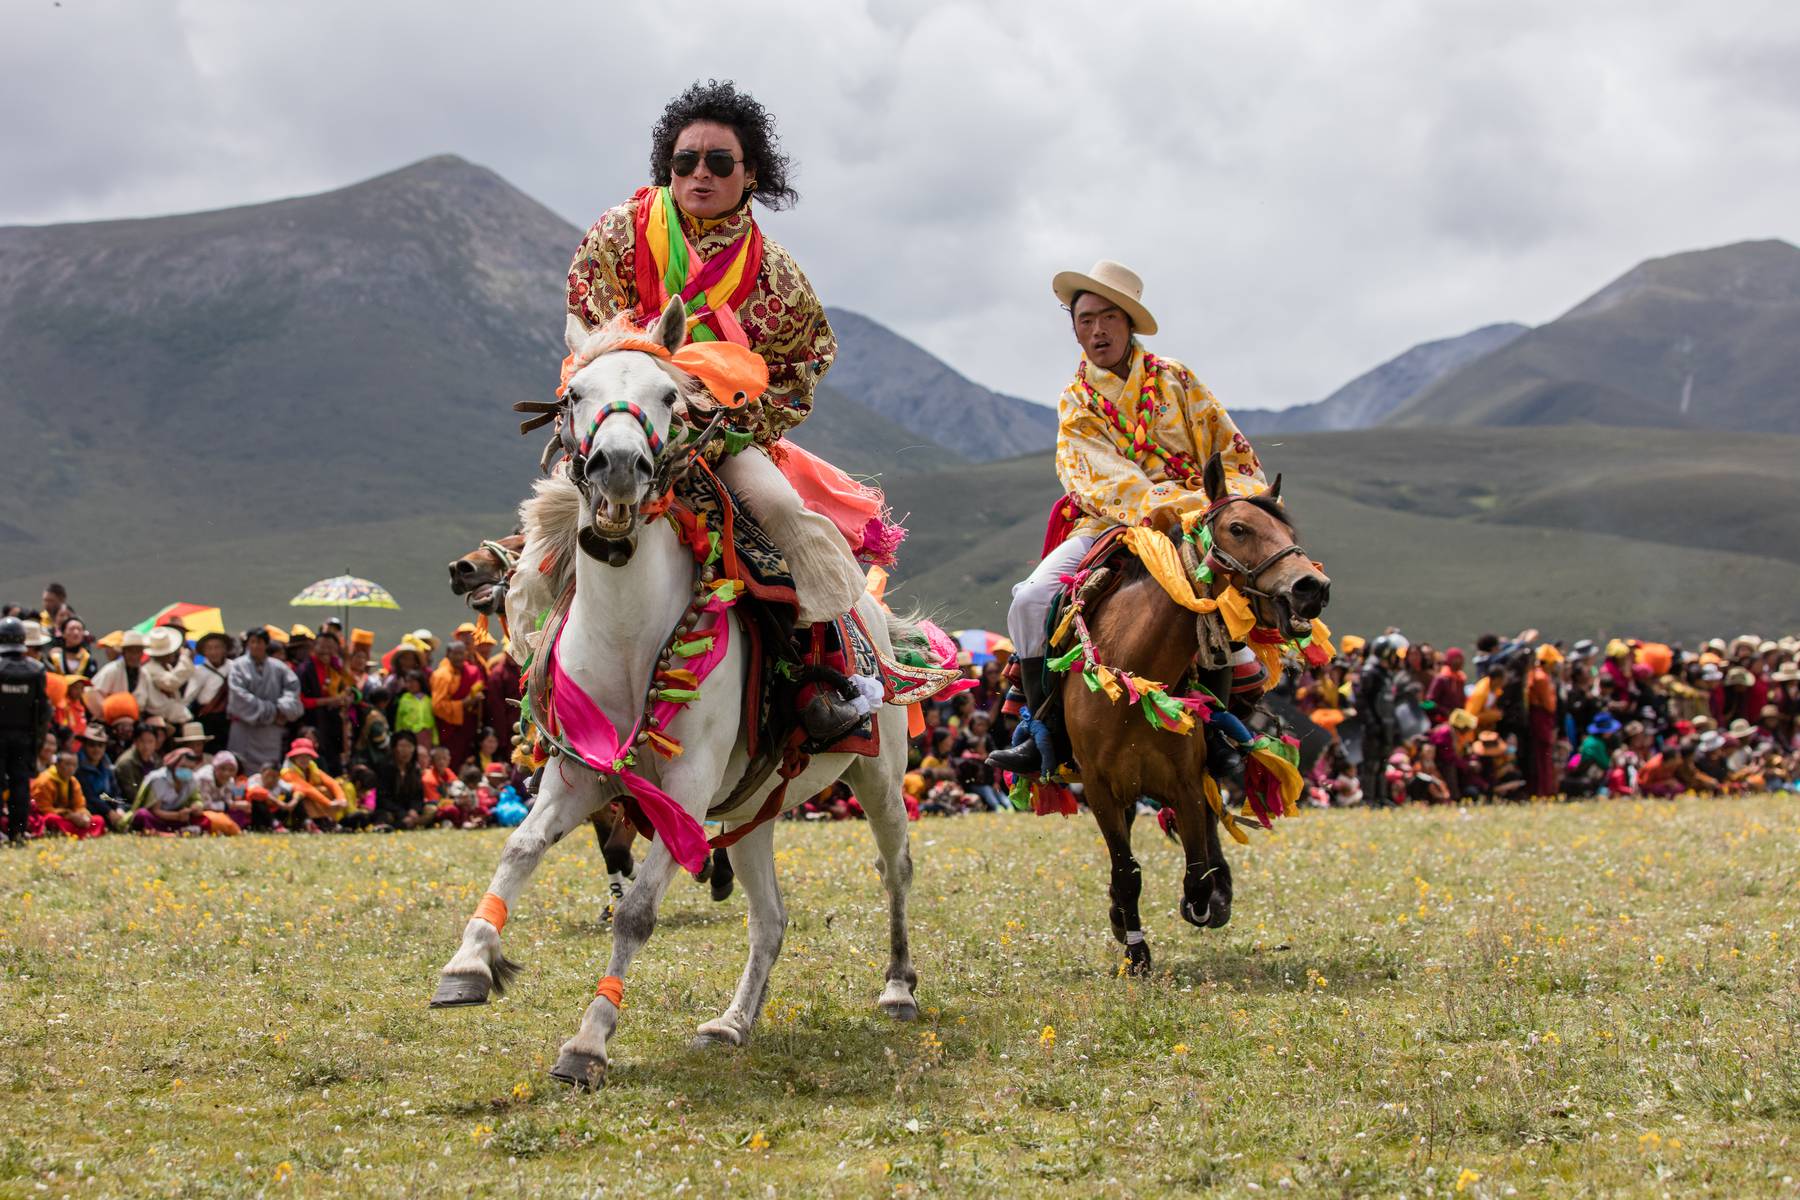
579, 721
667, 265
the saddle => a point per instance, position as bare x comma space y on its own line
1100, 572
787, 666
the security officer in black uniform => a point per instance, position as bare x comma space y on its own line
24, 716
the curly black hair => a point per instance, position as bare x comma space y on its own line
755, 129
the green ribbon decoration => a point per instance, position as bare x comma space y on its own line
694, 648
678, 695
1064, 661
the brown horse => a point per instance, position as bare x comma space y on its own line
481, 575
1122, 757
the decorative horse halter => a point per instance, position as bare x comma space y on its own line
1233, 566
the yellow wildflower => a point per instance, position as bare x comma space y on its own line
1465, 1177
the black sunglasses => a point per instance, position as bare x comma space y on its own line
718, 162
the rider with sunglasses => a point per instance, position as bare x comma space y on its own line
691, 237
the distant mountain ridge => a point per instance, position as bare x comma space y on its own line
374, 336
1708, 339
907, 384
1373, 396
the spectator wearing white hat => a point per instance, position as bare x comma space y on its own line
169, 670
124, 675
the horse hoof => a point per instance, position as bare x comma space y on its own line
721, 888
579, 1069
898, 1003
1218, 915
460, 991
1193, 914
716, 1033
1137, 959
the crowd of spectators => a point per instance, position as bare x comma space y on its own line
1526, 718
173, 731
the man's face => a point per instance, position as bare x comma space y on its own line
440, 758
52, 601
65, 764
456, 653
134, 657
258, 649
93, 750
146, 745
74, 633
1103, 330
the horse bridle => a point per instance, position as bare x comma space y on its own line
1230, 563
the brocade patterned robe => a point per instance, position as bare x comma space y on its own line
782, 316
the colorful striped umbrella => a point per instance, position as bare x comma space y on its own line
982, 644
195, 618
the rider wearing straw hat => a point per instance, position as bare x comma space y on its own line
1134, 430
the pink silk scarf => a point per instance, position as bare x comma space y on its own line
578, 720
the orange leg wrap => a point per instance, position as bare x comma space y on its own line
492, 909
613, 988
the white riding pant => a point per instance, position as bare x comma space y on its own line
1033, 596
826, 574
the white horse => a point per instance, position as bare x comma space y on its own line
618, 624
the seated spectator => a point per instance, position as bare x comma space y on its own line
59, 806
321, 797
399, 786
456, 806
139, 759
274, 805
1587, 770
99, 785
170, 797
438, 776
1498, 774
224, 792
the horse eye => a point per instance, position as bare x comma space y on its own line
1239, 530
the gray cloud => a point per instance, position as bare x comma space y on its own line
1308, 188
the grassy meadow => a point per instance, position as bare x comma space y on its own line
1559, 1000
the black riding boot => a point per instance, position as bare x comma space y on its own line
1023, 757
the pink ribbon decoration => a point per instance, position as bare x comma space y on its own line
588, 732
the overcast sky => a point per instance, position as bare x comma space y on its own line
1308, 188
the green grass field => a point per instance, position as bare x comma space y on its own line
1572, 1000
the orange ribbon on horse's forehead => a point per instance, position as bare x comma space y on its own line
733, 374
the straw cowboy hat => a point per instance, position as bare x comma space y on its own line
35, 636
164, 640
1740, 729
1112, 281
192, 733
131, 639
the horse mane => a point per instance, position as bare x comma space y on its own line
608, 338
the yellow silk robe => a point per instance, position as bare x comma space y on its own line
1112, 488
